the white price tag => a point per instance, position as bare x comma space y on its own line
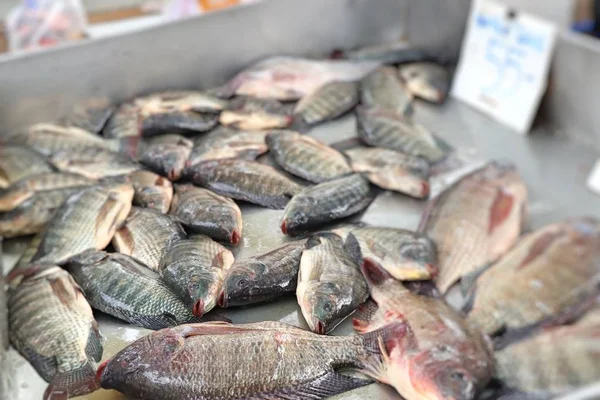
504, 63
594, 178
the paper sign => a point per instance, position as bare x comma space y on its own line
594, 178
504, 63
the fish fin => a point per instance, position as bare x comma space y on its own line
352, 247
88, 257
379, 344
447, 164
109, 212
74, 383
373, 272
215, 317
470, 299
347, 144
64, 293
327, 385
212, 328
123, 241
313, 241
26, 272
363, 316
443, 145
500, 211
467, 282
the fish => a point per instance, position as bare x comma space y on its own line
547, 272
383, 89
151, 191
426, 80
246, 180
326, 103
306, 157
392, 170
94, 163
193, 269
476, 220
266, 360
18, 162
90, 115
224, 142
249, 113
263, 277
291, 78
330, 284
27, 187
400, 52
166, 155
18, 272
202, 211
146, 236
440, 356
53, 327
326, 202
87, 220
118, 285
392, 130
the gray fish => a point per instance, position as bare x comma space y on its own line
94, 163
249, 113
193, 268
426, 80
166, 155
246, 180
52, 326
391, 130
326, 103
264, 277
90, 115
383, 89
389, 53
330, 284
151, 190
147, 235
325, 203
206, 212
87, 220
228, 143
18, 162
306, 157
392, 170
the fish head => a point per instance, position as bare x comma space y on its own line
327, 305
243, 283
419, 256
293, 218
203, 287
167, 158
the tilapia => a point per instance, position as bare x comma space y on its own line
90, 115
166, 155
87, 220
266, 360
27, 187
389, 53
326, 202
326, 103
52, 326
151, 190
147, 235
203, 211
263, 277
18, 162
330, 284
228, 143
383, 89
476, 220
249, 113
17, 273
119, 286
94, 163
392, 170
245, 180
291, 78
426, 80
440, 355
392, 130
193, 269
306, 157
543, 275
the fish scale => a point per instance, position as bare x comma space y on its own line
328, 102
224, 142
18, 162
382, 88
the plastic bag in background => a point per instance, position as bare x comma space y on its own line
42, 23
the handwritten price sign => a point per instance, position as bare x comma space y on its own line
503, 69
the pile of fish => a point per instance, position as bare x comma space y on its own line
136, 213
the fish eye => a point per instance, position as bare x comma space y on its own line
458, 376
327, 307
242, 282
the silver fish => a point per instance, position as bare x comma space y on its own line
228, 143
326, 103
383, 89
426, 80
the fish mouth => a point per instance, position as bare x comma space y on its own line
284, 227
320, 328
222, 299
198, 308
235, 237
100, 371
433, 270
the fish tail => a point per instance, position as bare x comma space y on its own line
78, 382
378, 345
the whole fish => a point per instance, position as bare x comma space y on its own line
291, 78
94, 163
306, 157
263, 277
119, 286
546, 273
87, 220
426, 80
325, 203
90, 115
193, 268
18, 162
224, 142
203, 211
147, 235
392, 170
27, 187
151, 190
246, 180
440, 355
326, 103
267, 360
52, 326
389, 53
383, 89
249, 113
166, 155
392, 130
330, 284
475, 221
